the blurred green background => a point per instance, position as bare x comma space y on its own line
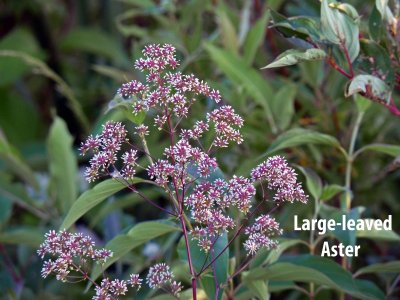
68, 58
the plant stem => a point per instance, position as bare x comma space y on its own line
346, 206
191, 269
350, 158
146, 149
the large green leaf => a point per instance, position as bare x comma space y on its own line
90, 199
389, 267
319, 270
385, 11
313, 182
340, 28
62, 165
282, 105
293, 56
300, 136
137, 236
375, 25
13, 159
242, 75
298, 26
392, 150
227, 30
19, 40
379, 235
331, 190
259, 288
374, 86
265, 256
254, 38
347, 237
30, 236
381, 61
89, 39
5, 209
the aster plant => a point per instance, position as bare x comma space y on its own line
206, 206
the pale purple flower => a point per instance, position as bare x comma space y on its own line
135, 281
160, 276
142, 130
105, 148
280, 178
259, 234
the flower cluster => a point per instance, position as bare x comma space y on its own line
105, 148
72, 252
208, 203
169, 93
185, 168
281, 178
259, 234
160, 276
225, 120
111, 289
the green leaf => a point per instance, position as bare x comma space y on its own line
373, 86
90, 39
259, 288
254, 38
277, 286
30, 236
376, 58
63, 167
17, 166
125, 105
375, 25
347, 237
284, 244
42, 68
91, 198
139, 234
282, 105
379, 235
308, 268
313, 182
385, 11
292, 57
296, 27
5, 209
228, 33
300, 136
242, 75
340, 29
19, 40
199, 257
127, 29
389, 267
392, 150
330, 191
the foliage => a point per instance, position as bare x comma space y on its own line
61, 64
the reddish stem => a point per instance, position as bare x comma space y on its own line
191, 269
181, 214
334, 65
346, 53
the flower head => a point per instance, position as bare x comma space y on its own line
259, 234
160, 276
281, 178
